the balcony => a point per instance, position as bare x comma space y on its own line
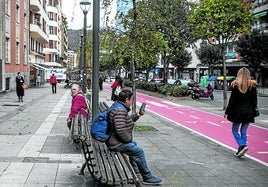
35, 5
259, 7
37, 33
261, 28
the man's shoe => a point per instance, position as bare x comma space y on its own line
243, 151
152, 180
236, 154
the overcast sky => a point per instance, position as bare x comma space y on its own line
75, 17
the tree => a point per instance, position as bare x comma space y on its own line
170, 19
209, 55
253, 51
221, 21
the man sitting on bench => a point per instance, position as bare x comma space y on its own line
120, 139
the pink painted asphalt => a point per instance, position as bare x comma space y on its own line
210, 125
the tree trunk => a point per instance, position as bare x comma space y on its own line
224, 79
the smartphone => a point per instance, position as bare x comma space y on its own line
142, 108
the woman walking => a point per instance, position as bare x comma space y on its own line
241, 108
19, 88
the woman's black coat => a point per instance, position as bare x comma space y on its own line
241, 106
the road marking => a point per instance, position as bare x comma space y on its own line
179, 112
157, 104
265, 141
174, 104
191, 122
195, 117
263, 152
213, 123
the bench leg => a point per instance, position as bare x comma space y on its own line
86, 153
82, 169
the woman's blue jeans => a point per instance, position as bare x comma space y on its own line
241, 138
136, 158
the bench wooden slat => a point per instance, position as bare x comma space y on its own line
111, 165
119, 167
106, 179
126, 169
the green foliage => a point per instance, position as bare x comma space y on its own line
209, 54
220, 19
165, 89
152, 28
180, 90
253, 49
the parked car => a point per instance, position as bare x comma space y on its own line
157, 81
178, 81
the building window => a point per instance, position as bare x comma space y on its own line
25, 55
7, 50
50, 15
50, 30
32, 44
51, 44
17, 52
17, 13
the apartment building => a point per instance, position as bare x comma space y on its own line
38, 39
53, 48
259, 9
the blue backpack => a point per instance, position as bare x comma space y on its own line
100, 124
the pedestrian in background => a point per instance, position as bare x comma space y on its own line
38, 80
241, 109
101, 82
121, 127
53, 82
19, 88
116, 87
78, 104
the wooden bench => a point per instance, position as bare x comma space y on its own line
105, 166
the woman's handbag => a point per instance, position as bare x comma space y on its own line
256, 112
25, 86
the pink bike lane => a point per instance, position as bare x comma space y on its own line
209, 125
212, 126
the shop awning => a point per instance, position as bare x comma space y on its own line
261, 14
38, 66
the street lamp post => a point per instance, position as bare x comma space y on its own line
85, 5
95, 76
81, 62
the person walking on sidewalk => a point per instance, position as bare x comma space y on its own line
241, 108
116, 88
19, 88
78, 104
53, 82
121, 129
38, 80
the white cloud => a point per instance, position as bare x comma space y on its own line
75, 17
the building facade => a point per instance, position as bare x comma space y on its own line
52, 49
16, 47
38, 39
30, 40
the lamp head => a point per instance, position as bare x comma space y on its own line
85, 5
